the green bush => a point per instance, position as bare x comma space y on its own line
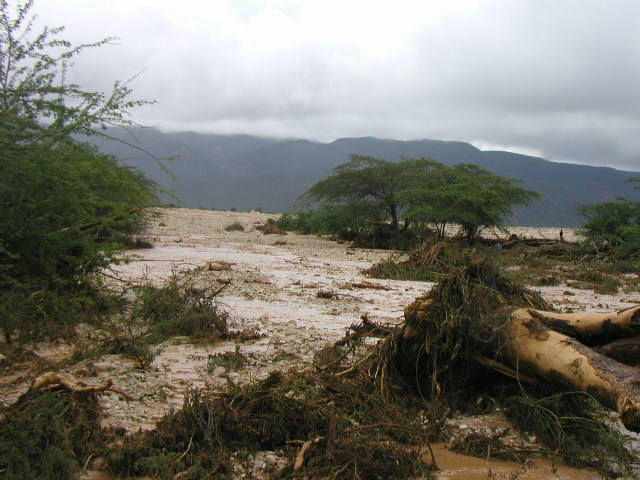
613, 226
185, 305
65, 209
234, 227
344, 221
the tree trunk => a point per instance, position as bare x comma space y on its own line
393, 210
593, 328
532, 347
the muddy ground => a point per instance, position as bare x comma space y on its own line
302, 292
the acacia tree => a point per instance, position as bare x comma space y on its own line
423, 191
38, 104
426, 193
64, 207
478, 199
368, 184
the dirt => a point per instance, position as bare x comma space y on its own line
301, 291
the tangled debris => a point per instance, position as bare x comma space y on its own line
462, 317
318, 425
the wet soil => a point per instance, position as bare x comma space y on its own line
303, 292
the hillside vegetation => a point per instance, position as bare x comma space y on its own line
246, 173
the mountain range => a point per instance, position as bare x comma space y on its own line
246, 172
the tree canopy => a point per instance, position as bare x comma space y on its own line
421, 192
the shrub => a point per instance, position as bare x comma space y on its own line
613, 225
65, 209
234, 227
185, 305
50, 435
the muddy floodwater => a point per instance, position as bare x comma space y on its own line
454, 466
281, 285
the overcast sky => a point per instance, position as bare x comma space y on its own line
554, 78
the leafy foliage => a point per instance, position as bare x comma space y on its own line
65, 209
613, 224
38, 104
363, 182
424, 192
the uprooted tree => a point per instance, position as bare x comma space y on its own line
475, 318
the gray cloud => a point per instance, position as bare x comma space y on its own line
555, 77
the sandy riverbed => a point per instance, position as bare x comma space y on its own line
273, 283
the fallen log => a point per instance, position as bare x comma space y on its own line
533, 347
365, 284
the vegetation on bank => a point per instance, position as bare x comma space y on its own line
394, 204
531, 262
362, 410
66, 211
614, 226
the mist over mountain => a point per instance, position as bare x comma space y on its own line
247, 172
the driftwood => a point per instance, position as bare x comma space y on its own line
51, 379
534, 347
475, 316
86, 226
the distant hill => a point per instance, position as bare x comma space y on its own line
246, 172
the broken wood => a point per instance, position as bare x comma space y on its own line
504, 369
300, 457
86, 226
331, 435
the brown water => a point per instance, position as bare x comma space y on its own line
454, 466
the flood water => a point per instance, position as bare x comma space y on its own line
453, 466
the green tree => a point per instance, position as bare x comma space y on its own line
423, 192
64, 208
367, 184
613, 224
478, 199
426, 194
